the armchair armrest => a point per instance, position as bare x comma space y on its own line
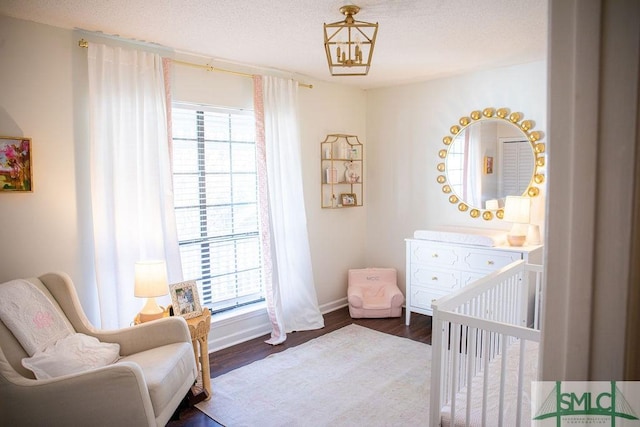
111, 395
145, 336
396, 297
355, 296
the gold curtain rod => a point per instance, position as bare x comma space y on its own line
85, 44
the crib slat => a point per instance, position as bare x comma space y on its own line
520, 382
503, 374
454, 371
470, 359
485, 383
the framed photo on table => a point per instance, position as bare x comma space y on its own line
185, 299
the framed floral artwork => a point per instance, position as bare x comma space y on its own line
15, 164
185, 299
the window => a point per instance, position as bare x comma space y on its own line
456, 160
216, 204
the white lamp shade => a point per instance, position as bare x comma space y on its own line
151, 279
517, 209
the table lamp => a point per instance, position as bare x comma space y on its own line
151, 282
492, 205
517, 209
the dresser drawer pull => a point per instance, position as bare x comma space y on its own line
435, 255
434, 278
490, 262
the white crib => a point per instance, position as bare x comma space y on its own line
485, 349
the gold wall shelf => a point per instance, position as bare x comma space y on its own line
342, 168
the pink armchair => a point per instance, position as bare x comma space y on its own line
374, 293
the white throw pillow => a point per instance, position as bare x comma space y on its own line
30, 316
72, 354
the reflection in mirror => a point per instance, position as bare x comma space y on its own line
488, 161
491, 155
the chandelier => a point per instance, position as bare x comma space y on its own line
349, 44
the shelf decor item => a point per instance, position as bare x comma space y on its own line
353, 172
348, 199
15, 164
332, 175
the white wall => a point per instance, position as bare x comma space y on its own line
43, 82
337, 236
405, 127
42, 231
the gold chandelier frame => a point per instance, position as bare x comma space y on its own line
349, 44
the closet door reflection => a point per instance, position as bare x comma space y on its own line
516, 167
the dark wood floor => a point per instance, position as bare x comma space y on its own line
239, 355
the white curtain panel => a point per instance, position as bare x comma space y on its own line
473, 183
293, 283
132, 201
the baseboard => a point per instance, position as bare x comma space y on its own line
333, 306
237, 327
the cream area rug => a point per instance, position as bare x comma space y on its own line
354, 376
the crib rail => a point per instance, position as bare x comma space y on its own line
476, 326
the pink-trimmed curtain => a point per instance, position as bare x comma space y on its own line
290, 291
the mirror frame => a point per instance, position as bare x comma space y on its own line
533, 136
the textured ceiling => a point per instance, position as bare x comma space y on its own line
417, 39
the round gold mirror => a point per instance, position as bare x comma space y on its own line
489, 155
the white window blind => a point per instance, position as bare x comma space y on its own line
215, 193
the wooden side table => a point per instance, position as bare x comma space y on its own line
199, 329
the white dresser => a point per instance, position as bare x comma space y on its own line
435, 269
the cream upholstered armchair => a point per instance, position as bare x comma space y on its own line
154, 370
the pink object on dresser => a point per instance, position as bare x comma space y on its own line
373, 292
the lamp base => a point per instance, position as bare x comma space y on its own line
151, 311
516, 240
147, 317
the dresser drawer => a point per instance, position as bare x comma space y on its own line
446, 280
421, 297
467, 277
436, 255
487, 260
